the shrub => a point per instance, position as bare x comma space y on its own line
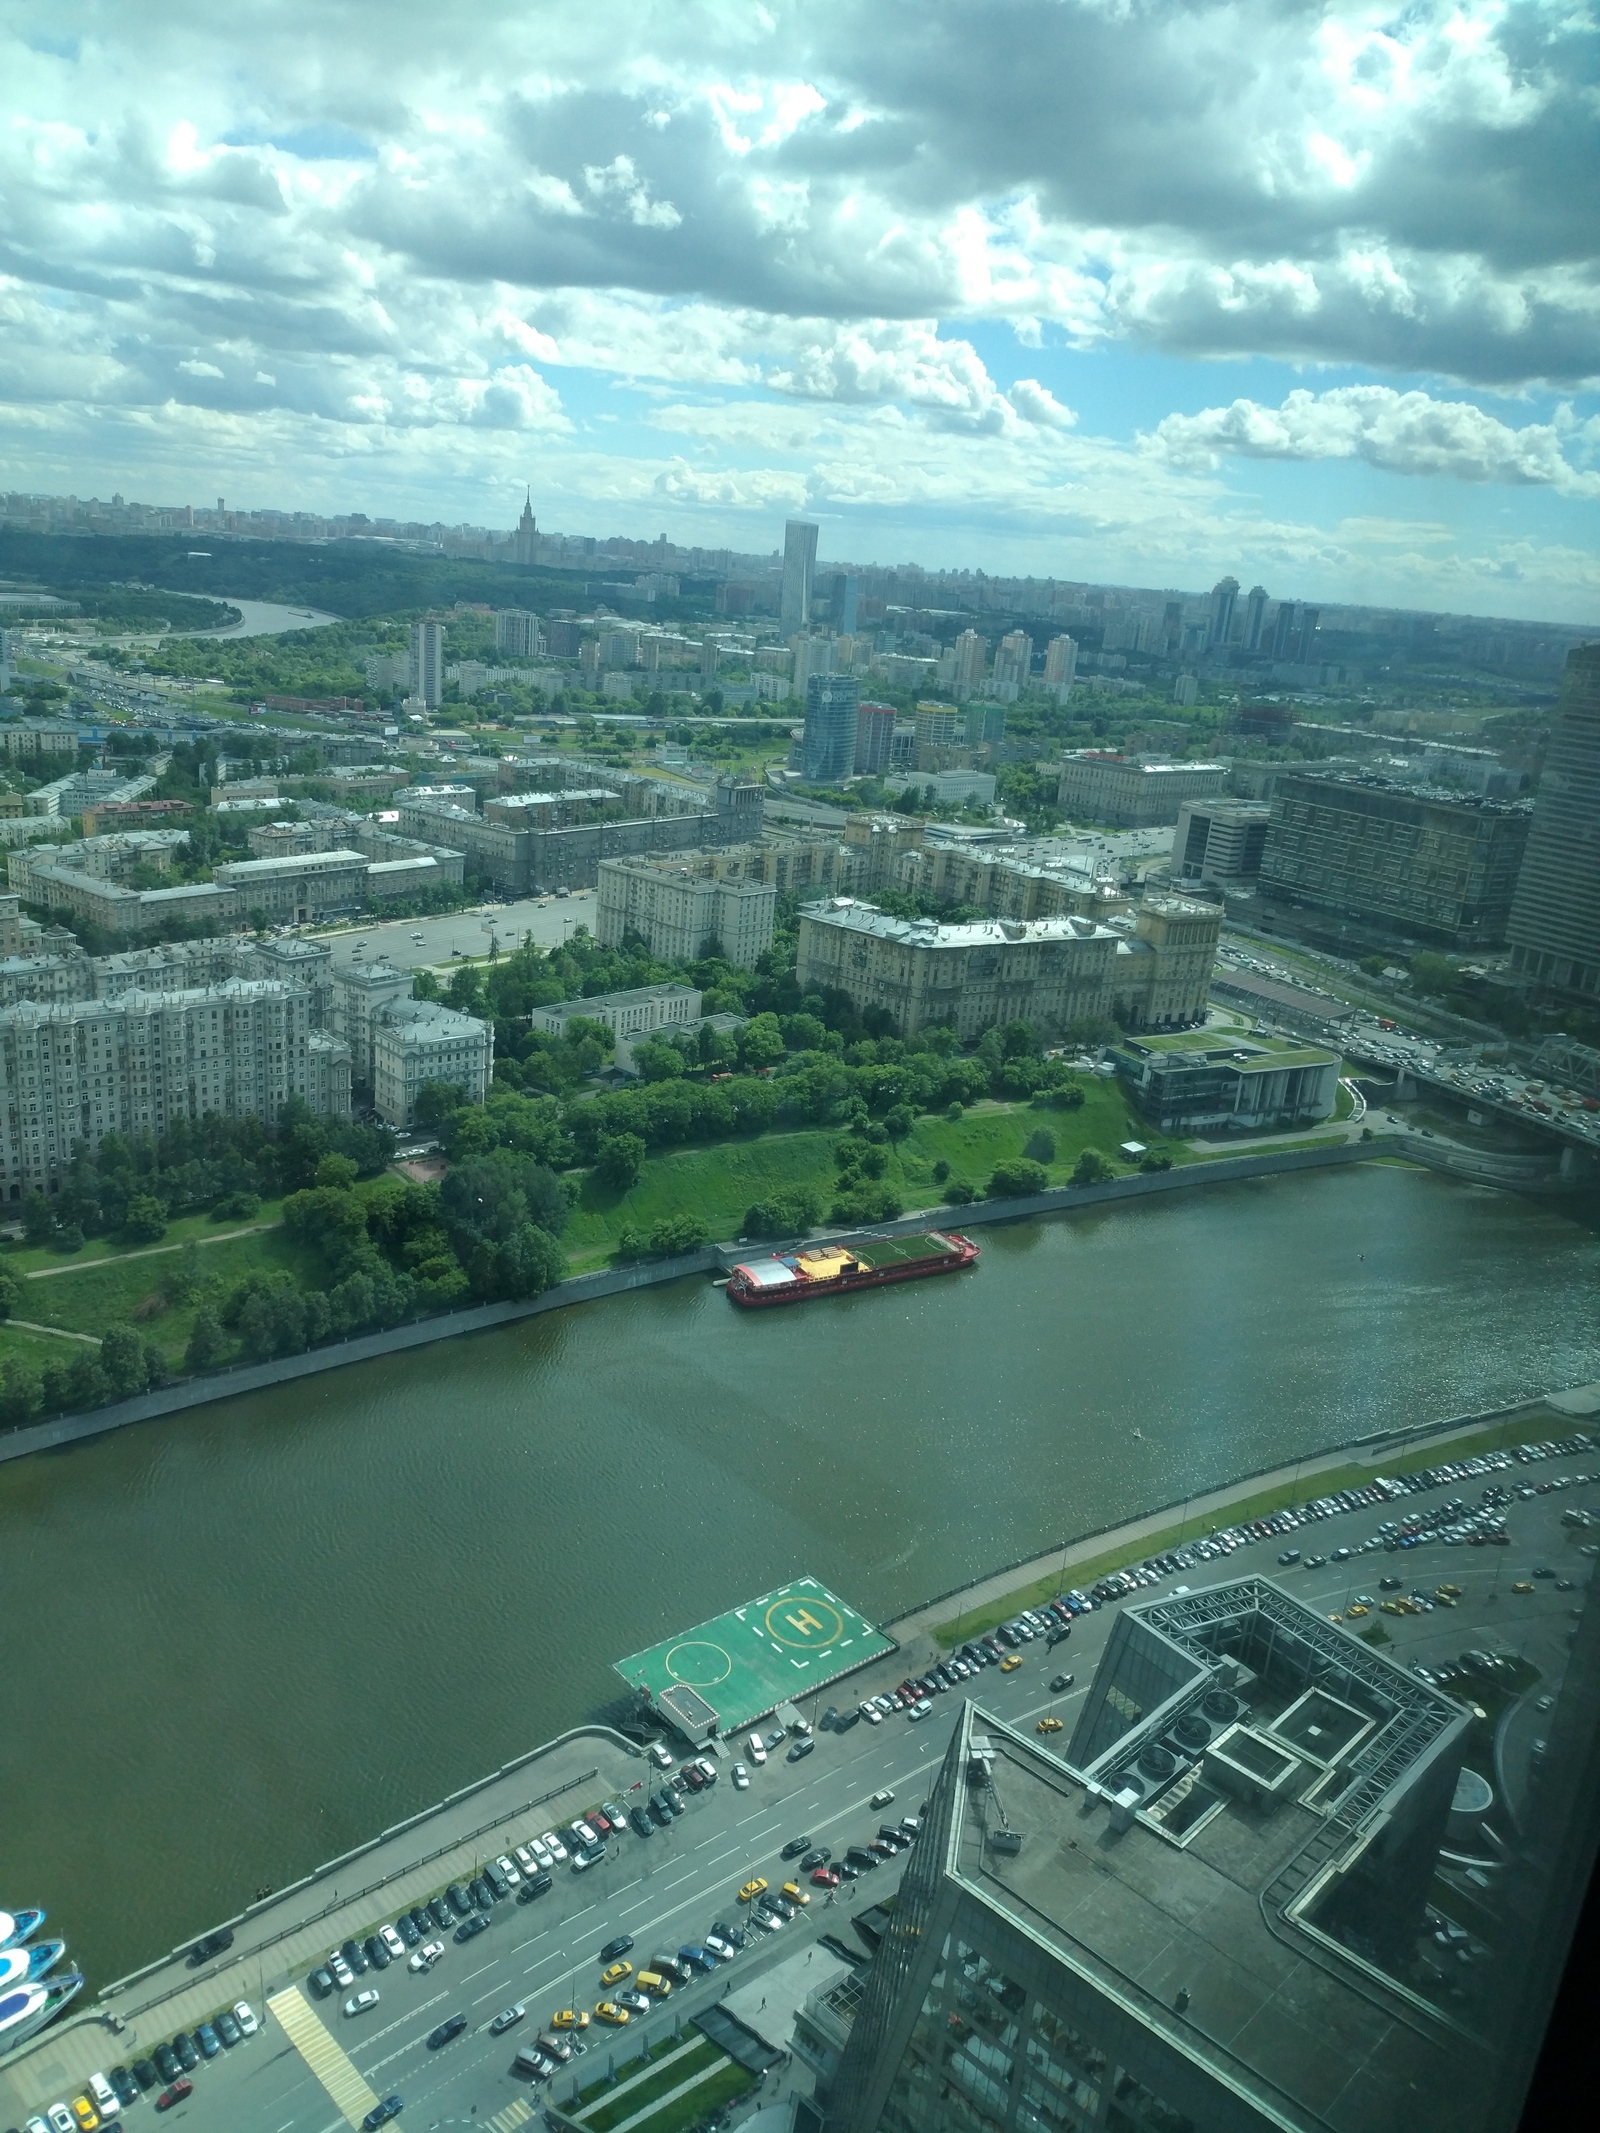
1157, 1159
10, 1292
860, 1200
958, 1193
678, 1233
786, 1214
898, 1121
1093, 1168
619, 1161
122, 1360
954, 1111
206, 1342
1067, 1098
1016, 1178
941, 1170
1040, 1146
238, 1207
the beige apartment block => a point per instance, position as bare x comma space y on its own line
676, 905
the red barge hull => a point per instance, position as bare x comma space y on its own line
798, 1277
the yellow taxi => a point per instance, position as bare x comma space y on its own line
1447, 1592
569, 2018
752, 1889
1444, 1599
85, 2113
1356, 1608
795, 1893
1048, 1725
1390, 1607
614, 1973
1010, 1662
1523, 1585
609, 2011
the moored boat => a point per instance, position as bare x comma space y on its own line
834, 1270
18, 1926
24, 1966
26, 2009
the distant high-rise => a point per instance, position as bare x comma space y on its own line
1061, 664
1285, 631
1310, 620
799, 569
874, 738
1012, 660
828, 746
517, 632
812, 655
1224, 595
971, 652
1255, 614
843, 602
427, 662
527, 535
1555, 918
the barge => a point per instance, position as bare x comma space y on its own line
835, 1270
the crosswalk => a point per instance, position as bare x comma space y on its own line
508, 2120
330, 2065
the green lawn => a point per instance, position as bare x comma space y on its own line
27, 1258
111, 1292
1492, 1437
633, 2095
718, 1183
695, 2108
36, 1348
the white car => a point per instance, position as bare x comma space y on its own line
509, 1870
62, 2119
105, 2096
554, 1846
542, 1856
359, 2002
719, 1946
661, 1755
342, 1973
757, 1747
245, 2015
392, 1941
427, 1955
525, 1859
920, 1710
741, 1777
871, 1713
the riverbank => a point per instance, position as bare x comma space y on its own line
67, 1429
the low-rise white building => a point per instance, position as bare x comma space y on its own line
634, 1013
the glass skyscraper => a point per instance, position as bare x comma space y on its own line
828, 749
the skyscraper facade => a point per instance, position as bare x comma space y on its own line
971, 657
799, 572
874, 738
844, 602
1255, 614
1555, 917
1202, 1919
1224, 597
427, 662
1060, 664
828, 746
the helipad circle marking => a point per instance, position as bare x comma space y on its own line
802, 1624
698, 1664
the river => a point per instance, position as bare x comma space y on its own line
239, 1640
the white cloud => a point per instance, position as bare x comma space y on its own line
1404, 433
1037, 403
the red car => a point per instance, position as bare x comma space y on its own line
182, 2087
693, 1776
824, 1877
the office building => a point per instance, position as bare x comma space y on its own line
1061, 665
799, 571
970, 658
679, 909
1224, 598
949, 788
1127, 792
1220, 841
298, 889
1370, 859
1052, 972
874, 738
1244, 1085
1211, 1915
415, 1042
426, 678
517, 632
1554, 928
844, 603
828, 746
1255, 615
72, 1072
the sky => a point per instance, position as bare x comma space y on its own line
1134, 291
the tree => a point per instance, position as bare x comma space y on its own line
38, 1220
10, 1292
898, 1121
678, 1233
122, 1360
337, 1170
206, 1343
436, 1102
146, 1220
1016, 1178
1092, 1168
619, 1161
761, 1042
87, 1385
1040, 1146
656, 1060
21, 1394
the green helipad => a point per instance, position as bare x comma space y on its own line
722, 1674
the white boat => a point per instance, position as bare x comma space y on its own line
26, 1966
18, 1926
25, 2009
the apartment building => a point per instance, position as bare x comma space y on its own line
677, 906
415, 1042
71, 1072
1127, 792
359, 995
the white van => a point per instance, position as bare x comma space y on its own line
757, 1747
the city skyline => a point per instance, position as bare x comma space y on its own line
1320, 320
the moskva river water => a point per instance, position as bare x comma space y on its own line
238, 1641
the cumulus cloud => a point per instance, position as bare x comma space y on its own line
1037, 403
1404, 433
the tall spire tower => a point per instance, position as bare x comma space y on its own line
527, 534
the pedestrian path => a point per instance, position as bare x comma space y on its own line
306, 2033
662, 2102
514, 2114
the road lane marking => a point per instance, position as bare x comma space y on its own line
376, 2036
324, 2057
515, 2112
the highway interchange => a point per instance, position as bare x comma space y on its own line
671, 1888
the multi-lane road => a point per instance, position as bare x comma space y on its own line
671, 1888
546, 920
